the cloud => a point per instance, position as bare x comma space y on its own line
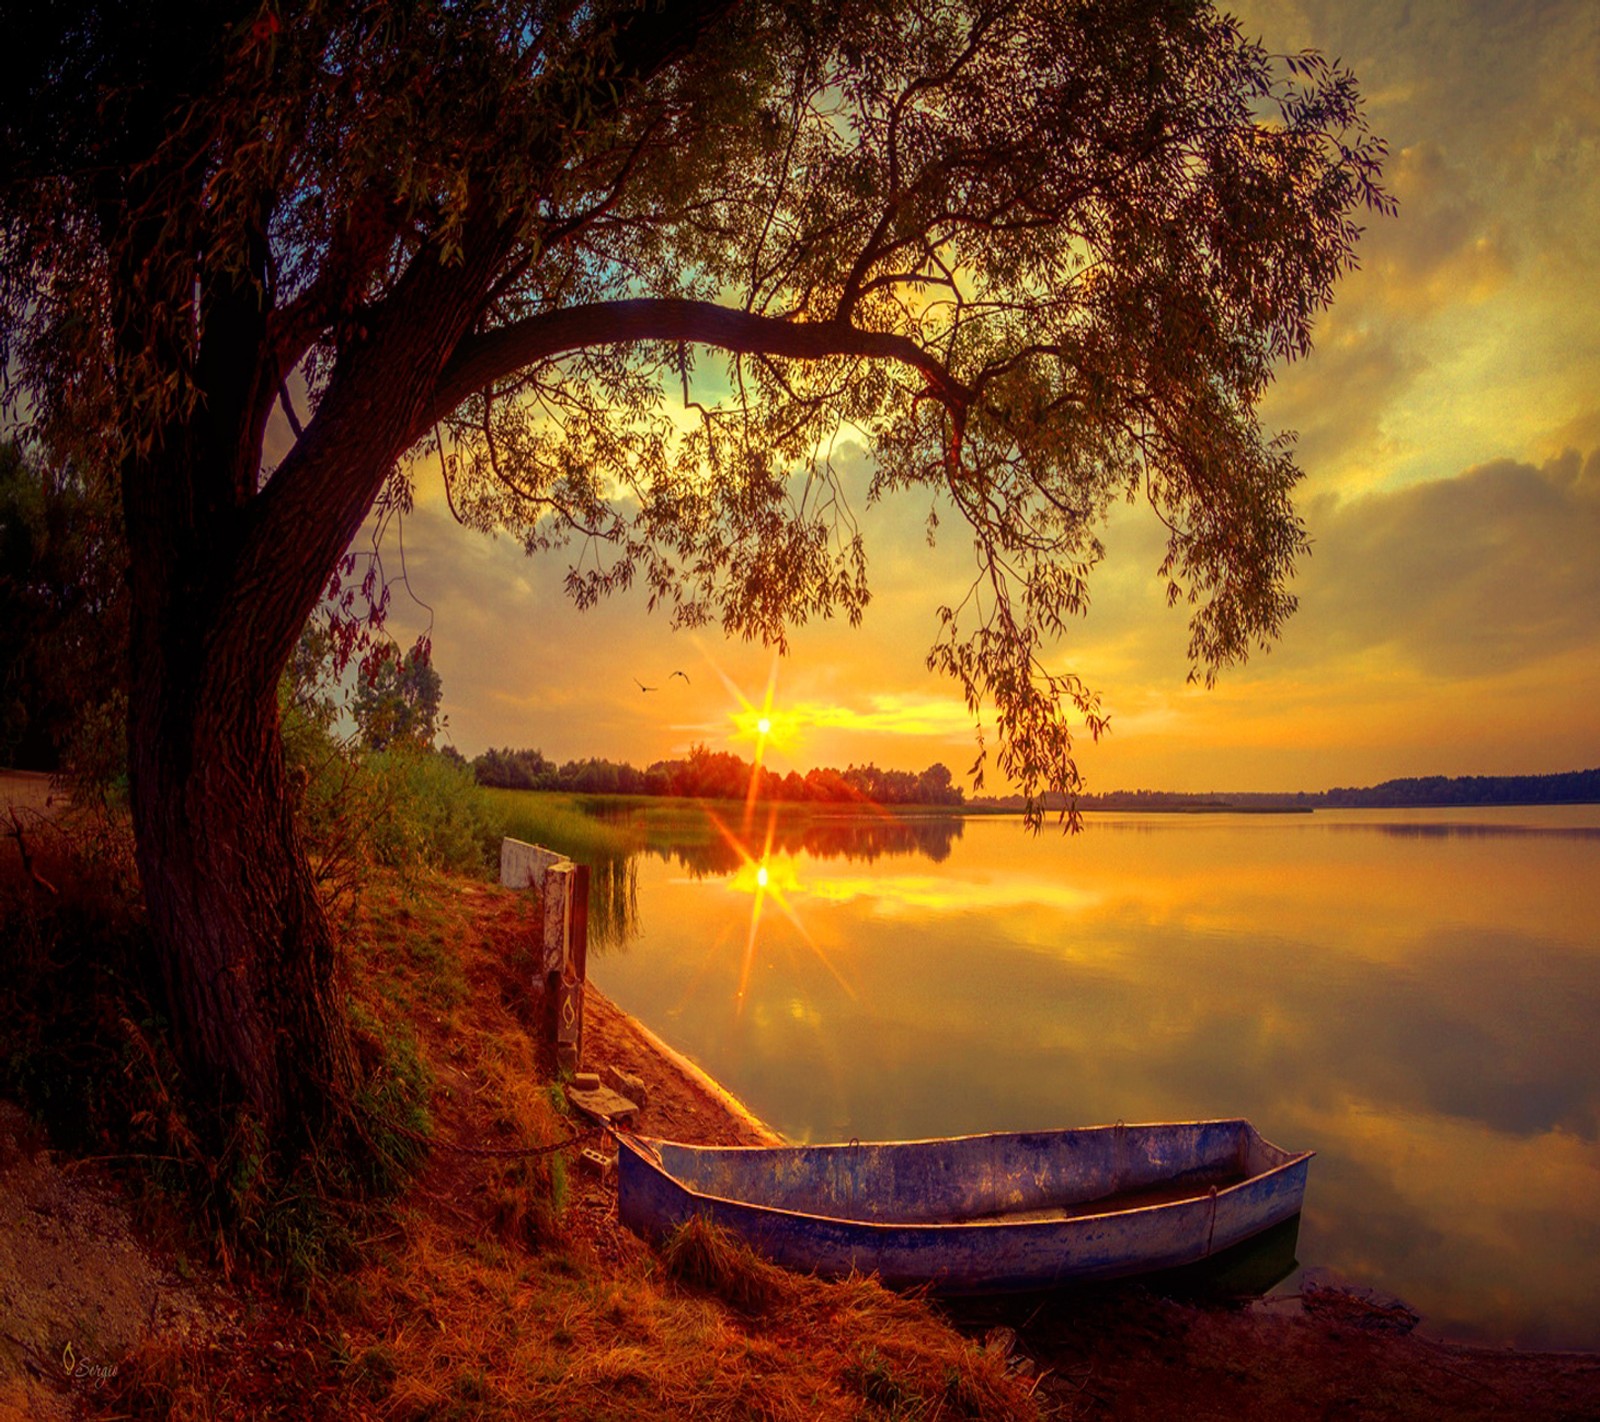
1337, 400
1447, 245
1449, 627
1448, 252
1490, 571
1469, 328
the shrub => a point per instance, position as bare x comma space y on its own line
426, 811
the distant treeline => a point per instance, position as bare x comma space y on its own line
716, 775
1573, 787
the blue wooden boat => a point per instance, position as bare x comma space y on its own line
977, 1214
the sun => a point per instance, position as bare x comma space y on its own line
762, 723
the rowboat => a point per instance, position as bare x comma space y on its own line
976, 1214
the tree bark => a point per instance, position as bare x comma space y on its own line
246, 954
222, 580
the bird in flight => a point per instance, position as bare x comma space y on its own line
684, 675
643, 687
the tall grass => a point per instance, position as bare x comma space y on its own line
563, 823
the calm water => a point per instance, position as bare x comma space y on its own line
1413, 994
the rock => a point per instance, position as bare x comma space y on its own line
627, 1084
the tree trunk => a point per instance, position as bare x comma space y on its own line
252, 977
222, 578
246, 953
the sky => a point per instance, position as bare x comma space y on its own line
1449, 433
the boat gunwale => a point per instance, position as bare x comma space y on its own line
642, 1148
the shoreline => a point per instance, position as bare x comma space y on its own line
693, 1073
684, 1098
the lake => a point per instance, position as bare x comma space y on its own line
1413, 994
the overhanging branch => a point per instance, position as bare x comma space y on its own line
482, 359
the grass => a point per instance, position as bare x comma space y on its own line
591, 828
564, 823
442, 1283
497, 1288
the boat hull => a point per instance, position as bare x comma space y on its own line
977, 1214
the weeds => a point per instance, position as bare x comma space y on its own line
701, 1256
85, 1047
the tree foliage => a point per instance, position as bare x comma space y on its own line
631, 273
63, 619
1036, 257
397, 697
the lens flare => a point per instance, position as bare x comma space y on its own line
764, 879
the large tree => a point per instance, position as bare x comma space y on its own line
630, 272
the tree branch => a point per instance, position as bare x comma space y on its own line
481, 360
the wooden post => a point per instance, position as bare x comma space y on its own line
566, 924
557, 888
564, 937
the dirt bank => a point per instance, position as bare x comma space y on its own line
81, 1286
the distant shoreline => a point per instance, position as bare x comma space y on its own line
1433, 792
1208, 808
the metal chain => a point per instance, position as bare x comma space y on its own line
497, 1152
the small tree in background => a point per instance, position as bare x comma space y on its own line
397, 696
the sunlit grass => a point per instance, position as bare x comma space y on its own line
563, 823
502, 1288
548, 1313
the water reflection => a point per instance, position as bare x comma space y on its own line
1418, 1008
613, 902
1471, 831
865, 839
706, 846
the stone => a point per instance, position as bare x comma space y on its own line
604, 1105
627, 1084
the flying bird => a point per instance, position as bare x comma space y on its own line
684, 675
643, 687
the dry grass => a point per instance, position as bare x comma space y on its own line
506, 1289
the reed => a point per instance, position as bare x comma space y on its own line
560, 821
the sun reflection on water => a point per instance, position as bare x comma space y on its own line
768, 877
